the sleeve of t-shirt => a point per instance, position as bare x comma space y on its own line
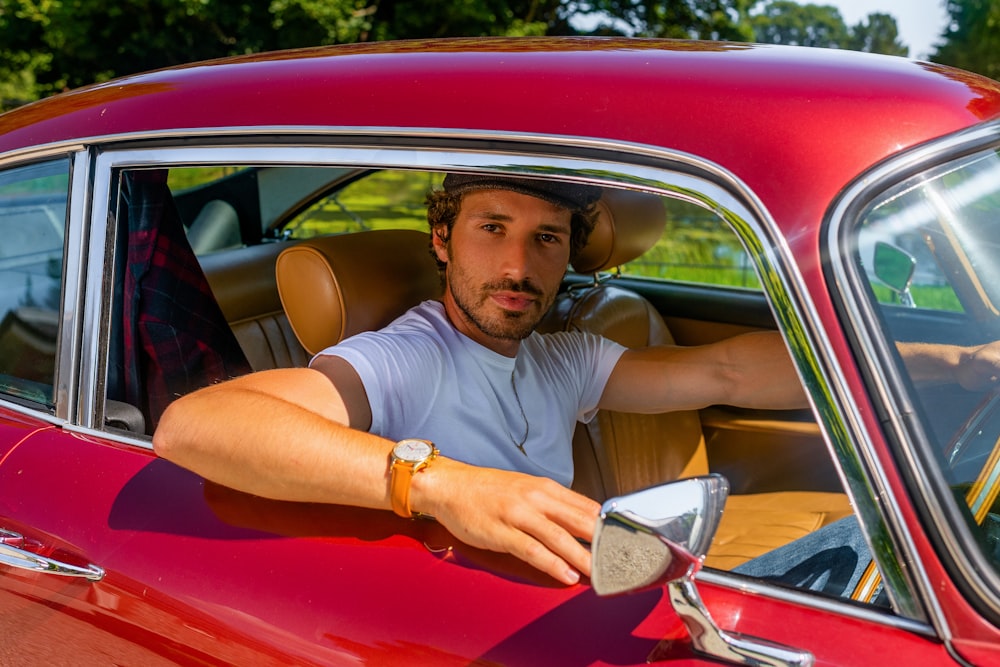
592, 359
395, 372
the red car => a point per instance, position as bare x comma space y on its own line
169, 230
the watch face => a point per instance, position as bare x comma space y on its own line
412, 450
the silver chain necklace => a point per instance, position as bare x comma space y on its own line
527, 426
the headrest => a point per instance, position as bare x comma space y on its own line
628, 224
333, 287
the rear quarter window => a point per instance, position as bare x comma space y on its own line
32, 224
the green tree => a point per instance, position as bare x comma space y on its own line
50, 45
785, 22
683, 19
879, 34
971, 39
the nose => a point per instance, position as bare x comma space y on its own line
516, 261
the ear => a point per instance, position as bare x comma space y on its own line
439, 241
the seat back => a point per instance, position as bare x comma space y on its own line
243, 281
333, 287
620, 452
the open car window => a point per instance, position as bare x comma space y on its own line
212, 235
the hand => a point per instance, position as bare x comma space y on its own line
979, 367
534, 518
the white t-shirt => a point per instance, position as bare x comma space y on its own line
427, 380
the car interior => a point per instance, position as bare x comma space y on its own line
276, 301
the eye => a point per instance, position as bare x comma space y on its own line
549, 238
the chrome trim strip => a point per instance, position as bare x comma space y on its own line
120, 437
40, 153
64, 379
708, 639
34, 413
713, 188
854, 198
393, 135
93, 364
74, 267
824, 604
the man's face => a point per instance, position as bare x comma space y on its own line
506, 258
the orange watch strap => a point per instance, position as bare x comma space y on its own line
401, 475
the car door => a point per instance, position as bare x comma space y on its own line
177, 569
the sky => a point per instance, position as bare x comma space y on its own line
920, 22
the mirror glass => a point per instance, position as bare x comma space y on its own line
894, 266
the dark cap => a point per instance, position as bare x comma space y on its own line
574, 196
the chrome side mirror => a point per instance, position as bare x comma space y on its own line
656, 535
660, 535
894, 267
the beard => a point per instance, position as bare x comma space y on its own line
476, 305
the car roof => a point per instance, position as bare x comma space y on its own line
778, 117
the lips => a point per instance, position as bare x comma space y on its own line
514, 301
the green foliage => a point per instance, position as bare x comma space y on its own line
879, 35
683, 19
784, 22
971, 40
697, 247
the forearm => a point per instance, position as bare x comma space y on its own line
974, 368
929, 363
283, 434
750, 371
763, 374
277, 435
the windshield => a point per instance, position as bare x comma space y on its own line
929, 250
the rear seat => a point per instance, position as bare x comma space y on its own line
243, 283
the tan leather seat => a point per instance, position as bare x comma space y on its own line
243, 283
333, 287
620, 452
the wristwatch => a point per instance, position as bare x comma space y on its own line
409, 457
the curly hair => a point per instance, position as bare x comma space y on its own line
443, 208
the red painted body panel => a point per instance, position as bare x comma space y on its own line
184, 562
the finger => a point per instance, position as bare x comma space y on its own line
559, 540
571, 510
539, 556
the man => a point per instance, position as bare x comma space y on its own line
469, 374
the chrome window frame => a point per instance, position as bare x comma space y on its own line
926, 483
596, 161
